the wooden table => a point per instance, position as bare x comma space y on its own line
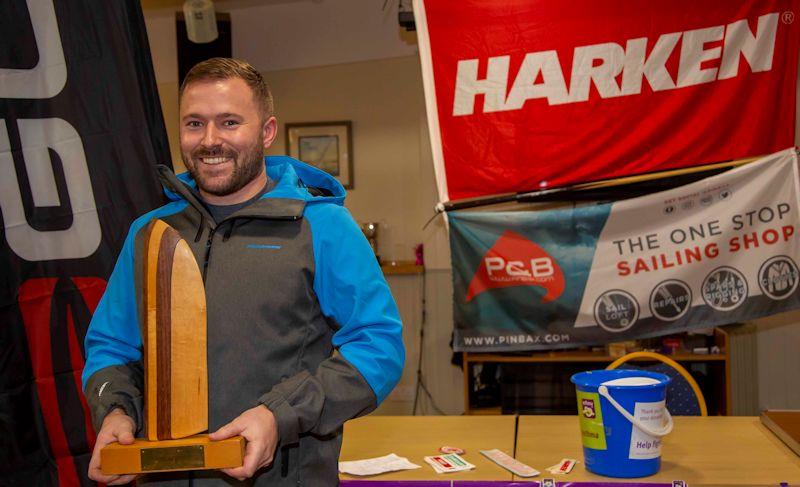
701, 451
718, 450
415, 437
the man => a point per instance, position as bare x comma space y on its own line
303, 333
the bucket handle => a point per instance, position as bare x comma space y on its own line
603, 390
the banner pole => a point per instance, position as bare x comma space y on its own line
532, 196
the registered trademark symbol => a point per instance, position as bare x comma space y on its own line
787, 17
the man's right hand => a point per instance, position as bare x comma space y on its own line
117, 426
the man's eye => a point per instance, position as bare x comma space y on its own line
194, 124
230, 123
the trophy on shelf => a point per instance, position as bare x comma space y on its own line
370, 230
172, 314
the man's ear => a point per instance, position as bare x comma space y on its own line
270, 132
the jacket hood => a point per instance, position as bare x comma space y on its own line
292, 179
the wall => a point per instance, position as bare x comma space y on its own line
778, 342
163, 50
382, 101
292, 35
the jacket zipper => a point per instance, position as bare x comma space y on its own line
211, 232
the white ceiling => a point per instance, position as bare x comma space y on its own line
290, 34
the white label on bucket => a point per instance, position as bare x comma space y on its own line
644, 446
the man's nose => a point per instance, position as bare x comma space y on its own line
210, 136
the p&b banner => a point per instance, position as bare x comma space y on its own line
80, 131
524, 95
721, 250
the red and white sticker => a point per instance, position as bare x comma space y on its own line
563, 467
449, 462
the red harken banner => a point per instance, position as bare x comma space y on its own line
530, 94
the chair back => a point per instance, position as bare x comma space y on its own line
681, 391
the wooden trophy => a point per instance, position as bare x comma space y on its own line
173, 315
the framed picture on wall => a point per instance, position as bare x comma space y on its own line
326, 145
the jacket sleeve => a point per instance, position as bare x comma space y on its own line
369, 354
113, 376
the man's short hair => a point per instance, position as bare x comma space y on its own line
222, 68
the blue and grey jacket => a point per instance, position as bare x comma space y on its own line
300, 319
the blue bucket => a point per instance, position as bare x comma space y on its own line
610, 403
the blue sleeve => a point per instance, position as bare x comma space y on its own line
113, 337
353, 291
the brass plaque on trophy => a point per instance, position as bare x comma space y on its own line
173, 310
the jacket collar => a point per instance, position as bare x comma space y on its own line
277, 204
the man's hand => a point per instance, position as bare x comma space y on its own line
259, 428
117, 426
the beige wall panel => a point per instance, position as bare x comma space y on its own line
168, 92
384, 101
778, 342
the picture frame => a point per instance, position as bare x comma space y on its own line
325, 145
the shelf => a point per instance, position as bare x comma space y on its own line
579, 357
719, 388
402, 267
489, 411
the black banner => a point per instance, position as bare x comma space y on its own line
80, 131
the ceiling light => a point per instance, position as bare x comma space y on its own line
201, 22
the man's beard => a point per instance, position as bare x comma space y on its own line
245, 168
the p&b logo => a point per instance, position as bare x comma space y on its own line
41, 139
538, 268
516, 261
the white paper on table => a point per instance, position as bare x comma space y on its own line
374, 466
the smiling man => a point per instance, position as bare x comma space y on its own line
303, 333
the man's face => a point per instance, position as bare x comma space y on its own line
222, 135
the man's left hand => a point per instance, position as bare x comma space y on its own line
259, 428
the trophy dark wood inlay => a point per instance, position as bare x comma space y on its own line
166, 253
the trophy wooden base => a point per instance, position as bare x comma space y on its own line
192, 453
